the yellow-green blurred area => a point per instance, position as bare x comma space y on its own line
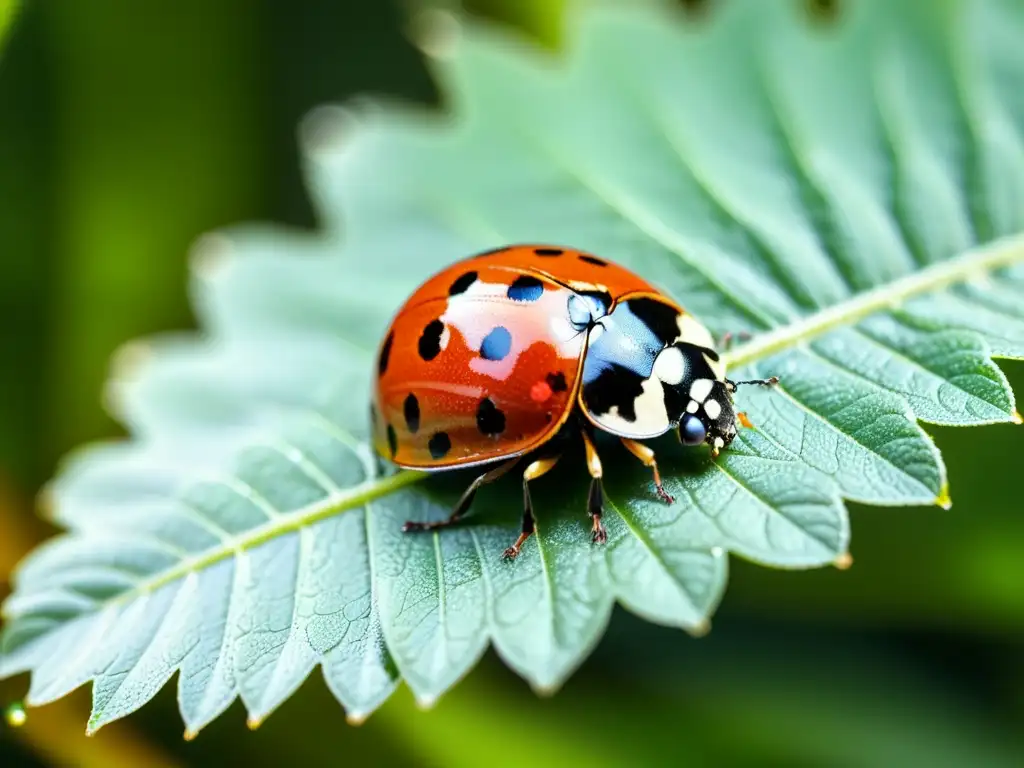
127, 129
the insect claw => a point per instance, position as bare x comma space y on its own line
664, 495
511, 553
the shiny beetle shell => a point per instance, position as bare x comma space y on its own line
490, 357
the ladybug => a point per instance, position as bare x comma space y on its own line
500, 356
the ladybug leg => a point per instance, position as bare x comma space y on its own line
464, 502
595, 499
646, 455
532, 472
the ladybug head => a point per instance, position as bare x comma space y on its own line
709, 416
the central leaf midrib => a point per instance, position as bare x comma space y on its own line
354, 497
983, 259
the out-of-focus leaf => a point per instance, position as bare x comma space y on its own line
8, 11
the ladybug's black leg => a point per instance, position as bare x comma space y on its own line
537, 468
595, 499
464, 502
646, 455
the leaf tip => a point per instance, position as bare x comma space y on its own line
190, 734
210, 256
843, 562
943, 499
326, 129
426, 702
547, 690
1016, 418
253, 723
45, 502
436, 33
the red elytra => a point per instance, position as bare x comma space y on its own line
496, 356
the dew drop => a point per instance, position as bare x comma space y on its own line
943, 499
700, 629
15, 714
844, 561
1017, 418
355, 718
717, 551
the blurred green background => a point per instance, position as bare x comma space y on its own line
127, 129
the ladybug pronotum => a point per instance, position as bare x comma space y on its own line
500, 356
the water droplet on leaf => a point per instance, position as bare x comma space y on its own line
15, 714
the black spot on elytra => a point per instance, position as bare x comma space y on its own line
548, 251
659, 317
392, 441
439, 445
614, 386
525, 288
411, 410
557, 382
496, 344
430, 340
489, 418
461, 285
385, 354
593, 260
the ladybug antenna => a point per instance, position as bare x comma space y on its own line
769, 382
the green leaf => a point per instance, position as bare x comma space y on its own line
851, 194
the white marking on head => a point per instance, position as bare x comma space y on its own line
692, 406
670, 365
700, 389
713, 409
719, 442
